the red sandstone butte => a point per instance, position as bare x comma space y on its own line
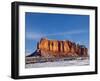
57, 48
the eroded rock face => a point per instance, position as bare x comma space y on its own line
56, 48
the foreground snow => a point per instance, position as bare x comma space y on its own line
59, 63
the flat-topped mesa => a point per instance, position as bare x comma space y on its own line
57, 48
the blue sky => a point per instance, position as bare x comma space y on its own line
55, 26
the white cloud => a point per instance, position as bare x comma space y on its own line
31, 35
67, 33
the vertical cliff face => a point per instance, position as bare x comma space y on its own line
56, 48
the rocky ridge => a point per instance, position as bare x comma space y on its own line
59, 48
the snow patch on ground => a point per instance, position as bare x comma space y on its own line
59, 63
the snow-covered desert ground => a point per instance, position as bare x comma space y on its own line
59, 63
